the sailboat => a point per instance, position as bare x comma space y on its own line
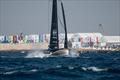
54, 35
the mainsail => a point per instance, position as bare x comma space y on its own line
54, 38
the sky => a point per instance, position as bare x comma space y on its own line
84, 16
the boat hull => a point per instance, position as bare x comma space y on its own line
61, 52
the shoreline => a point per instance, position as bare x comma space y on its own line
21, 47
83, 50
43, 46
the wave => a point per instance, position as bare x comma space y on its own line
58, 66
94, 69
70, 67
19, 71
67, 67
33, 70
2, 56
86, 57
9, 72
117, 58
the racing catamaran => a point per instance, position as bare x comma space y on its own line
54, 35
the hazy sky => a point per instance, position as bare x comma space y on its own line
34, 16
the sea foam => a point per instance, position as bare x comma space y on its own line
94, 69
10, 72
73, 53
37, 54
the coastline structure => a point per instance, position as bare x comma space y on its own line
79, 41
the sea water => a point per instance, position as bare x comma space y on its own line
24, 65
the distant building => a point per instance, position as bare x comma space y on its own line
86, 40
75, 40
112, 41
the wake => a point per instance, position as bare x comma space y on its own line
37, 54
41, 54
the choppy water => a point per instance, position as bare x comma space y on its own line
89, 66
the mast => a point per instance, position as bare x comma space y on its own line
64, 20
54, 40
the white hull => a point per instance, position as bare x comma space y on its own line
62, 52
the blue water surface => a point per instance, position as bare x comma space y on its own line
89, 66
